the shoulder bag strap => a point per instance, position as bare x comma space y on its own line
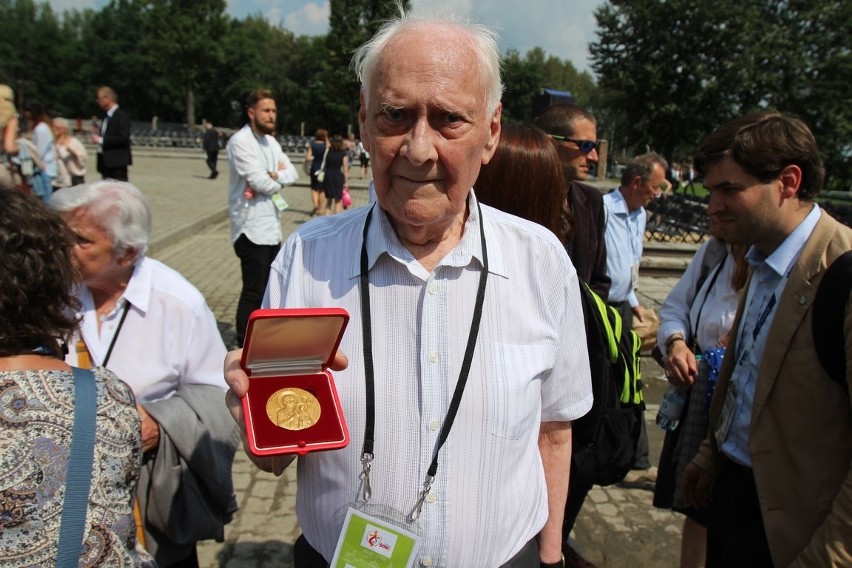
324, 156
79, 476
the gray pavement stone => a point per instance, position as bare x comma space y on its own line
618, 526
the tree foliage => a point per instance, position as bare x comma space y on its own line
671, 72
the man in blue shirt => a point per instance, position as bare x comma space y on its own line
643, 179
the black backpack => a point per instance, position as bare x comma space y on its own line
604, 440
829, 312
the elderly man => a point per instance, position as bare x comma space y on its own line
258, 169
780, 424
446, 295
149, 325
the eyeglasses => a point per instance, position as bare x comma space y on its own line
585, 146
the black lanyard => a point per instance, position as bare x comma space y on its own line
117, 331
369, 378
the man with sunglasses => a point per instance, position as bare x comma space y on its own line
573, 131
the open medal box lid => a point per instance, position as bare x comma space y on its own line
292, 405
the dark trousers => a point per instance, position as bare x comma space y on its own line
119, 174
577, 491
190, 561
254, 264
735, 532
305, 556
212, 158
642, 460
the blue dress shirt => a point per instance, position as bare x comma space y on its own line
625, 232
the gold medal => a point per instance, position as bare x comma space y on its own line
293, 409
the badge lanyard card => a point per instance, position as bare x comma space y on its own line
376, 536
292, 405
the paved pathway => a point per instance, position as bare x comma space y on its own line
618, 527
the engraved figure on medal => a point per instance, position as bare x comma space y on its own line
293, 409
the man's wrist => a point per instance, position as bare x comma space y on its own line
558, 564
672, 339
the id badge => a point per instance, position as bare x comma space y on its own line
368, 541
279, 202
726, 418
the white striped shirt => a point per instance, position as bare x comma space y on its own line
530, 365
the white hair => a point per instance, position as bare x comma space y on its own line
485, 42
117, 207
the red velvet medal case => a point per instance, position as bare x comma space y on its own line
292, 406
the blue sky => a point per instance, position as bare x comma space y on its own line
561, 27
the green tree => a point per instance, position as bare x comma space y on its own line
351, 23
184, 38
671, 72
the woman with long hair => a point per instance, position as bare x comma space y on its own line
37, 405
315, 156
336, 175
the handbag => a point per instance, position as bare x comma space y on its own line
79, 476
346, 199
320, 173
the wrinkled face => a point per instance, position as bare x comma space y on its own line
742, 209
262, 116
425, 124
94, 250
575, 163
642, 192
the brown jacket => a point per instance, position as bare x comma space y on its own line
801, 425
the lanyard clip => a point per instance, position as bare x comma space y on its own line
418, 506
366, 462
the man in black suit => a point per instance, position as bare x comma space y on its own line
114, 138
210, 143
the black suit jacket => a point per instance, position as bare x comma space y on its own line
587, 248
116, 142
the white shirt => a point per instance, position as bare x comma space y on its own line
679, 313
530, 365
250, 159
169, 337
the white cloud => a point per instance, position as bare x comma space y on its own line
310, 19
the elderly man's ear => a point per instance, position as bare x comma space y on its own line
493, 135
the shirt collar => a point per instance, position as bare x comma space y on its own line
111, 111
382, 239
619, 204
781, 260
138, 291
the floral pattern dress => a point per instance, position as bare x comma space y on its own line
36, 422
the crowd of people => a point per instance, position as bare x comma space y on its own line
466, 361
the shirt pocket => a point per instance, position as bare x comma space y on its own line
517, 371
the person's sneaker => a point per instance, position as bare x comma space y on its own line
574, 560
641, 476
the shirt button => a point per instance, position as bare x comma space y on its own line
433, 288
434, 425
426, 561
433, 357
431, 498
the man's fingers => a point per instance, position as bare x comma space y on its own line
235, 377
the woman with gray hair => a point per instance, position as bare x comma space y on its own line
71, 154
149, 325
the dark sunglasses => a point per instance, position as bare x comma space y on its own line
585, 146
